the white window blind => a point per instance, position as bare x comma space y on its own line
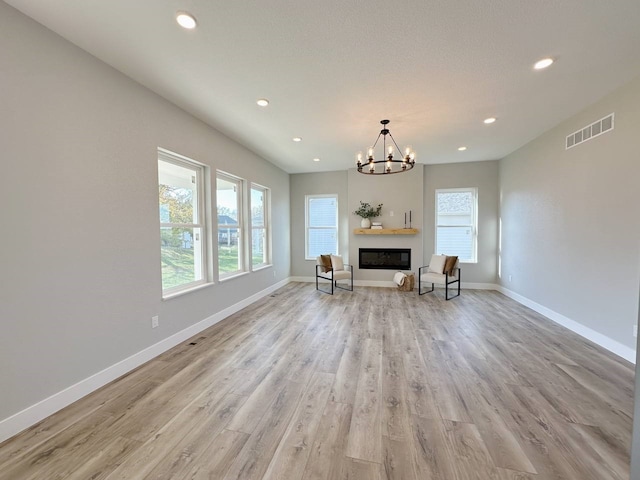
456, 224
321, 225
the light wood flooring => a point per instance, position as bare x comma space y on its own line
364, 385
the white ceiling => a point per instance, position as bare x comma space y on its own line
333, 69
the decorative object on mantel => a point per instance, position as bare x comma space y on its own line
405, 219
390, 165
366, 211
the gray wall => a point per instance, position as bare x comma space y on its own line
316, 184
484, 177
398, 194
570, 223
415, 191
80, 238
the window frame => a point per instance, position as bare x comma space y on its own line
201, 173
239, 226
266, 226
473, 226
307, 227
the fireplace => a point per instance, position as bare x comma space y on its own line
384, 258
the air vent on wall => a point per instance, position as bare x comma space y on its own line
591, 131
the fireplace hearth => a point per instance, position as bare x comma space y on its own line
384, 258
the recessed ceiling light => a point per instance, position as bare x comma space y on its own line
297, 139
489, 120
462, 149
542, 64
316, 159
186, 20
263, 102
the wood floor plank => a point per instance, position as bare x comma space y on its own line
374, 384
330, 443
365, 433
397, 462
206, 415
291, 456
255, 457
222, 451
211, 419
396, 413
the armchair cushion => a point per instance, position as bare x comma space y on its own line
337, 263
325, 261
450, 264
436, 265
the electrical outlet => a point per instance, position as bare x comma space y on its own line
510, 278
635, 330
391, 213
155, 322
274, 273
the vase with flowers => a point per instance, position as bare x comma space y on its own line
367, 212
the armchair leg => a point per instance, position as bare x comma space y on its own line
446, 289
426, 291
323, 291
349, 288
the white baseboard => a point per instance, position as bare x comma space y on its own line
613, 346
31, 415
390, 284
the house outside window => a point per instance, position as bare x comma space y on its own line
321, 225
181, 194
457, 223
231, 251
260, 226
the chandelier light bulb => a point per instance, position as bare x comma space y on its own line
389, 164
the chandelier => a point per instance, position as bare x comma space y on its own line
369, 164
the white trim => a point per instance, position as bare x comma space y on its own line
179, 293
613, 346
307, 227
390, 284
31, 415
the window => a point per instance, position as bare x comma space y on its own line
259, 226
182, 223
321, 220
456, 223
230, 239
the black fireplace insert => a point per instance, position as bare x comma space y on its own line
385, 258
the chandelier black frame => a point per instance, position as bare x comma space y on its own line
391, 165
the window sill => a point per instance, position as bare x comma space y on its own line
232, 276
186, 290
261, 267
